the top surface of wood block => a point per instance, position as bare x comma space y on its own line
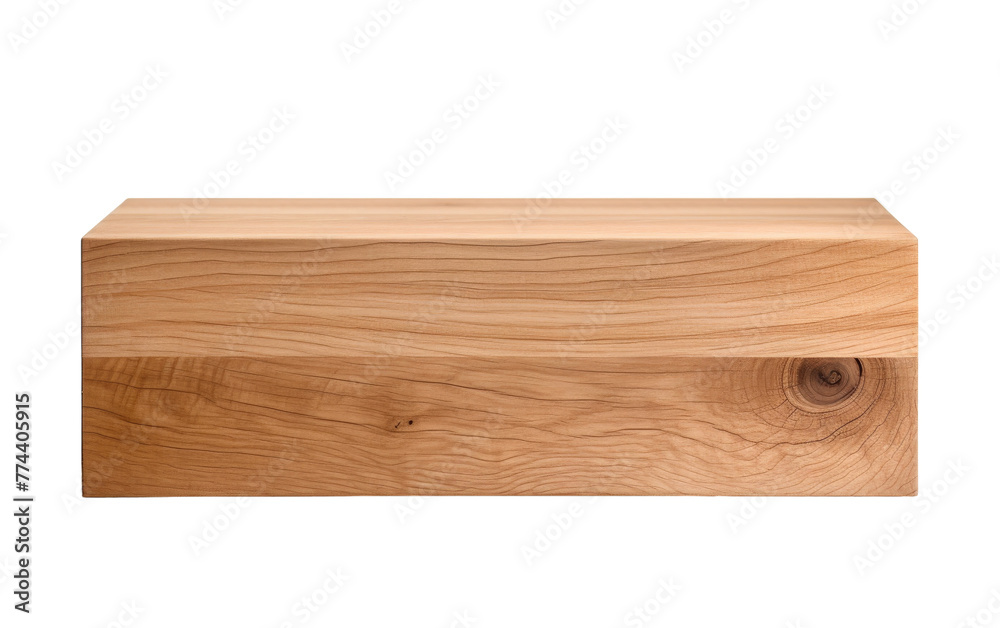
500, 219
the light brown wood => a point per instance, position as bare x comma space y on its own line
497, 347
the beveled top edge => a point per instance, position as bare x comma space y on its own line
501, 219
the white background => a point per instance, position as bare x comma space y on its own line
891, 91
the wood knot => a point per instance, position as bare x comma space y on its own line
830, 378
821, 384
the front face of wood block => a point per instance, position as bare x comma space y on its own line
458, 347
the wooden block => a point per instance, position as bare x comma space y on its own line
598, 346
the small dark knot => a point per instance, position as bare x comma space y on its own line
831, 378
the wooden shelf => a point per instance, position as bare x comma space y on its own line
499, 346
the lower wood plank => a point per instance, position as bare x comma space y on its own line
164, 426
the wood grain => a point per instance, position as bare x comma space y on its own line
321, 347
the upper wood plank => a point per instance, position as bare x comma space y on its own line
500, 219
596, 278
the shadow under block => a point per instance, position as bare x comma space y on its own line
479, 347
